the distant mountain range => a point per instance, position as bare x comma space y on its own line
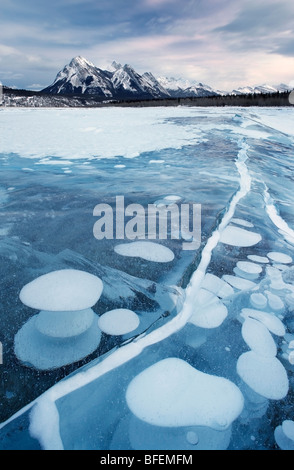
262, 89
82, 84
122, 82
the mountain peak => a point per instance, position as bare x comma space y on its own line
80, 62
115, 65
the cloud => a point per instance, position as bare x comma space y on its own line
260, 26
259, 18
220, 42
285, 47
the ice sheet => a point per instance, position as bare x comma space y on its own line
241, 172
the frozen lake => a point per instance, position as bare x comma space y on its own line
185, 323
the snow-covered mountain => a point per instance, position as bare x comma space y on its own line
81, 77
262, 89
122, 82
118, 82
182, 88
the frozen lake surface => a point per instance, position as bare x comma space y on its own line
197, 351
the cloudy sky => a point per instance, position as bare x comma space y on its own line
223, 43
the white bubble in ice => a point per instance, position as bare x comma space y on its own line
258, 300
265, 375
248, 267
278, 257
237, 236
209, 311
258, 338
284, 435
118, 322
238, 282
172, 393
192, 438
273, 323
64, 290
258, 259
148, 251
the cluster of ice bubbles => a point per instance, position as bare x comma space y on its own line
268, 282
172, 395
66, 330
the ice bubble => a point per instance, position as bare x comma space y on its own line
216, 285
273, 324
45, 353
64, 324
238, 282
275, 302
278, 257
236, 236
172, 198
258, 259
277, 282
118, 322
258, 338
288, 429
265, 375
284, 435
291, 358
258, 301
192, 438
146, 250
242, 222
249, 268
209, 312
65, 290
172, 393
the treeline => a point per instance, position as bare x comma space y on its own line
25, 98
263, 99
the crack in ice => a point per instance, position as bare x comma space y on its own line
275, 217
